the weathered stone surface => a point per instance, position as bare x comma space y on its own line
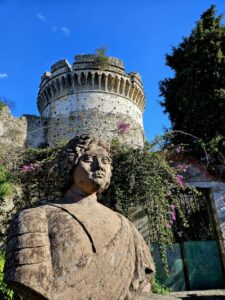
26, 131
76, 248
151, 296
12, 130
82, 98
85, 98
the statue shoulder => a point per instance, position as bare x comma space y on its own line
28, 221
29, 229
28, 256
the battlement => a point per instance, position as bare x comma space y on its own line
89, 74
91, 61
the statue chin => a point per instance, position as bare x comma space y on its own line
96, 185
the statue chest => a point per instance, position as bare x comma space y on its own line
77, 233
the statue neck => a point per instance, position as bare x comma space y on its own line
73, 196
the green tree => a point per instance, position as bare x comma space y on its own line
195, 97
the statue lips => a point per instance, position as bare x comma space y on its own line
98, 175
98, 178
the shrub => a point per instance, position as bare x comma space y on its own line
5, 292
5, 183
159, 288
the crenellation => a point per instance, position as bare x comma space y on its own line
90, 61
45, 78
62, 65
86, 98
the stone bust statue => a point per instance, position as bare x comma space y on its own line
76, 248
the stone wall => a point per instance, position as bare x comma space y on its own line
12, 130
35, 131
83, 98
103, 115
26, 131
89, 98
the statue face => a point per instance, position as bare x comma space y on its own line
93, 171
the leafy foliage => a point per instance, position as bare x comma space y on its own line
5, 292
5, 183
144, 178
2, 105
6, 103
195, 97
101, 59
158, 288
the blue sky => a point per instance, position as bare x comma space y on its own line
37, 33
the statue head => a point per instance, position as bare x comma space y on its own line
86, 164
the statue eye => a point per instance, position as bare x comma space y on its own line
105, 160
88, 159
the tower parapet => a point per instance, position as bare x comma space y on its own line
73, 95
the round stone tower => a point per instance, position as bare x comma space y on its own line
92, 96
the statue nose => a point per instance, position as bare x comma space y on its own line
98, 163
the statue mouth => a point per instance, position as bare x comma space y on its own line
98, 175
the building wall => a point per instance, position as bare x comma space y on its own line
26, 131
86, 98
12, 130
104, 115
83, 98
35, 135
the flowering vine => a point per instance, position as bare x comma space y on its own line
123, 127
30, 167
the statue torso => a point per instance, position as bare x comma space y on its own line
84, 249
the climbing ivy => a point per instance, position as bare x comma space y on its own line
144, 178
5, 292
5, 183
141, 178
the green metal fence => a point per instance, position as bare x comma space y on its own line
203, 265
193, 265
175, 280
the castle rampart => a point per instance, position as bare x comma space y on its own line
92, 97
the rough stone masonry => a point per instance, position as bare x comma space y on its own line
85, 98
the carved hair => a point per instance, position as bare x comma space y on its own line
69, 156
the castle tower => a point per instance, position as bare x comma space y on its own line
93, 97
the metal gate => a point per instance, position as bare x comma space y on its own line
194, 260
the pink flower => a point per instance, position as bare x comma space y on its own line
180, 180
172, 215
25, 168
36, 165
30, 167
123, 127
179, 149
168, 225
172, 206
182, 168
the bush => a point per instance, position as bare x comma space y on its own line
5, 292
5, 184
142, 178
158, 288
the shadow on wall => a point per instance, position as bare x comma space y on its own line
36, 128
